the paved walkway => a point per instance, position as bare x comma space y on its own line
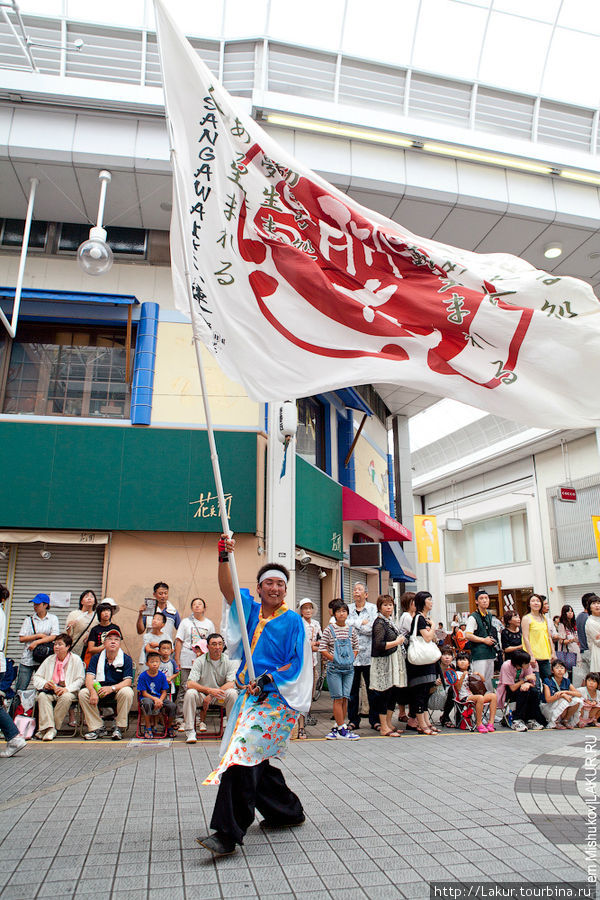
384, 818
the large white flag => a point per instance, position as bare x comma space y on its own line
298, 289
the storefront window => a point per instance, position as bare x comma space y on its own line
498, 541
60, 371
310, 438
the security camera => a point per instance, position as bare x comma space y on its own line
305, 559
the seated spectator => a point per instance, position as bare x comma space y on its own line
313, 633
37, 630
518, 684
14, 741
450, 676
79, 621
151, 639
470, 688
590, 712
153, 694
458, 638
563, 702
211, 681
108, 682
440, 633
441, 697
168, 665
95, 643
339, 646
57, 682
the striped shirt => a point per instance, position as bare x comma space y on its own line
341, 632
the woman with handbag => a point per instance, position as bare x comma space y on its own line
388, 669
37, 633
568, 642
79, 621
422, 669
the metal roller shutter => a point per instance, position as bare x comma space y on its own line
308, 584
351, 576
73, 568
573, 594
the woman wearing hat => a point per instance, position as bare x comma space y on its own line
39, 628
314, 635
105, 611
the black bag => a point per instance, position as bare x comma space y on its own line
42, 651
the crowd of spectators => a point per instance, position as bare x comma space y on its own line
377, 660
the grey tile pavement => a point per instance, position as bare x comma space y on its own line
383, 819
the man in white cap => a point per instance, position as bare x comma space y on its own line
313, 633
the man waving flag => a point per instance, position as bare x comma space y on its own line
297, 289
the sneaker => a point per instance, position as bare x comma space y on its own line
333, 734
13, 746
534, 725
49, 735
94, 735
490, 727
519, 725
190, 737
117, 735
202, 726
347, 735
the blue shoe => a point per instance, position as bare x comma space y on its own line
333, 734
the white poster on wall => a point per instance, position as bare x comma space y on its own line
60, 598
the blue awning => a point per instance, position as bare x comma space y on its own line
395, 561
70, 296
351, 398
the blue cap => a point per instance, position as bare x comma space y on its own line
41, 598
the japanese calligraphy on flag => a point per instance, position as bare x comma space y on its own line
297, 289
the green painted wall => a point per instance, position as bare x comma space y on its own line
318, 511
123, 479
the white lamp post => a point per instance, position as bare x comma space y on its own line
95, 256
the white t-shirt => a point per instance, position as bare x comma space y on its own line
47, 625
189, 632
149, 638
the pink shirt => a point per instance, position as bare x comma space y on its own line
508, 675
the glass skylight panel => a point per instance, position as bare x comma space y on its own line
243, 19
365, 37
448, 38
319, 25
541, 10
109, 12
582, 15
514, 52
577, 82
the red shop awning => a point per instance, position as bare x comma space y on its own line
356, 509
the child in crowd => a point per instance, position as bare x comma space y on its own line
314, 634
470, 688
168, 665
563, 702
590, 712
447, 665
153, 689
339, 646
151, 639
439, 692
518, 685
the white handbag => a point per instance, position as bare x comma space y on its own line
422, 652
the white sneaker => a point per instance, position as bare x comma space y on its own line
202, 726
190, 737
534, 725
519, 725
49, 735
347, 735
14, 745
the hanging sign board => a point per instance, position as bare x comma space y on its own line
567, 494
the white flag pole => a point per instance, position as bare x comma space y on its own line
214, 457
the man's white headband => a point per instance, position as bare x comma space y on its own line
273, 573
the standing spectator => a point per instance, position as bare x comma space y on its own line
314, 634
79, 621
160, 595
168, 665
388, 669
421, 678
37, 629
193, 631
518, 683
554, 631
440, 633
339, 646
592, 632
568, 642
151, 639
454, 623
563, 702
590, 712
511, 637
483, 638
153, 691
112, 670
407, 605
14, 741
57, 682
536, 636
361, 616
95, 643
211, 681
584, 651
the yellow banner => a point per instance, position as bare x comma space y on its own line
596, 525
426, 534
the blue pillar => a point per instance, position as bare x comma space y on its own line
142, 386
